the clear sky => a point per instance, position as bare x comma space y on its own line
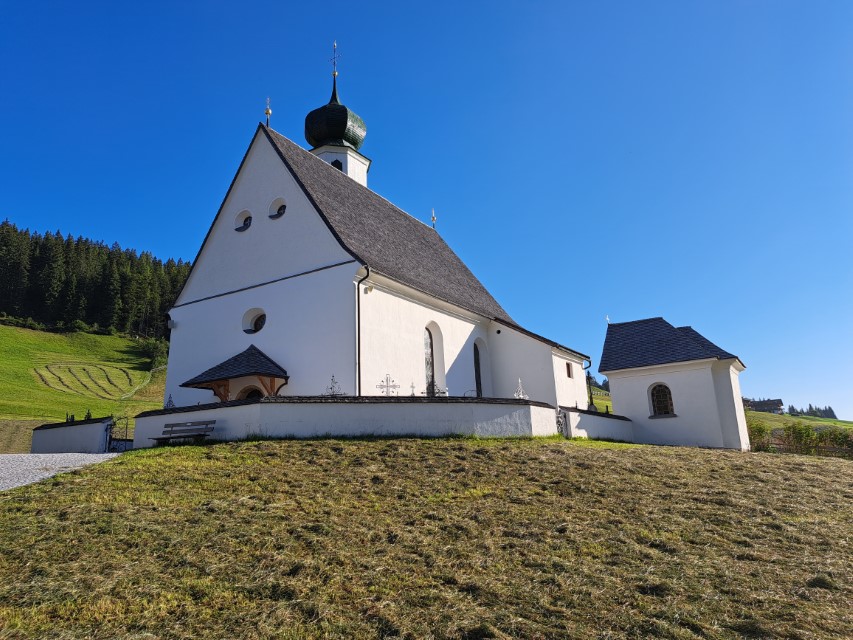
691, 160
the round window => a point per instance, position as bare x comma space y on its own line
243, 221
278, 208
254, 320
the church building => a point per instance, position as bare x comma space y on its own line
310, 284
317, 307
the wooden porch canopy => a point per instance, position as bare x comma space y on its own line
250, 363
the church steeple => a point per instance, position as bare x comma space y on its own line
336, 133
335, 124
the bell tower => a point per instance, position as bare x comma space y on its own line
336, 133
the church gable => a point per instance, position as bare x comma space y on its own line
266, 229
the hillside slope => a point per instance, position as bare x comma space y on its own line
448, 538
44, 375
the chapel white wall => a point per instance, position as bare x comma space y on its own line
697, 421
296, 242
730, 405
309, 331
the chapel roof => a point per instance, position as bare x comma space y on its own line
384, 237
653, 341
251, 362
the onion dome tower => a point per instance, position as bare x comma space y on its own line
336, 133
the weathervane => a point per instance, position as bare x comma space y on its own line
433, 218
268, 112
334, 58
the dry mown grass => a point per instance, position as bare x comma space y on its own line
431, 538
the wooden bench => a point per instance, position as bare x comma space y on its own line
181, 430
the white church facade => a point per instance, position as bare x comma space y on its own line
315, 306
320, 277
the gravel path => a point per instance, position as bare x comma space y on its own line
18, 469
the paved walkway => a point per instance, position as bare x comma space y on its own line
18, 469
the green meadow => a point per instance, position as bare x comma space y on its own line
44, 376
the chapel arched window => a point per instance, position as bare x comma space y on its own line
429, 363
662, 401
478, 380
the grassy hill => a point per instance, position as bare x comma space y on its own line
446, 538
44, 375
775, 421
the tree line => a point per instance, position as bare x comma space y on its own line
817, 412
48, 281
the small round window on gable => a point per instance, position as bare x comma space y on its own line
278, 208
254, 320
243, 221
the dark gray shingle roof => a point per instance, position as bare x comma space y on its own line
251, 362
384, 237
76, 423
643, 343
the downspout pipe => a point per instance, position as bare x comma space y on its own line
358, 328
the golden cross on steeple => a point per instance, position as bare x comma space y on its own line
433, 218
334, 58
268, 112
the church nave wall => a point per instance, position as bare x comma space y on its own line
392, 342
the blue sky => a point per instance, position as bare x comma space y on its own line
692, 160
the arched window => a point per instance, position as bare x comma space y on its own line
250, 393
478, 380
661, 401
337, 164
429, 363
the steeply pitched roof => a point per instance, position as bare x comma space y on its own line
251, 362
643, 343
384, 237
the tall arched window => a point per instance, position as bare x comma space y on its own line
661, 401
478, 380
429, 363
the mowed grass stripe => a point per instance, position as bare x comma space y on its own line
100, 384
61, 381
109, 378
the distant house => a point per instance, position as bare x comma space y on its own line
765, 406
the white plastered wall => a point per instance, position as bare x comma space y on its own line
697, 420
516, 355
296, 242
393, 319
347, 419
309, 331
730, 404
80, 438
353, 164
572, 391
